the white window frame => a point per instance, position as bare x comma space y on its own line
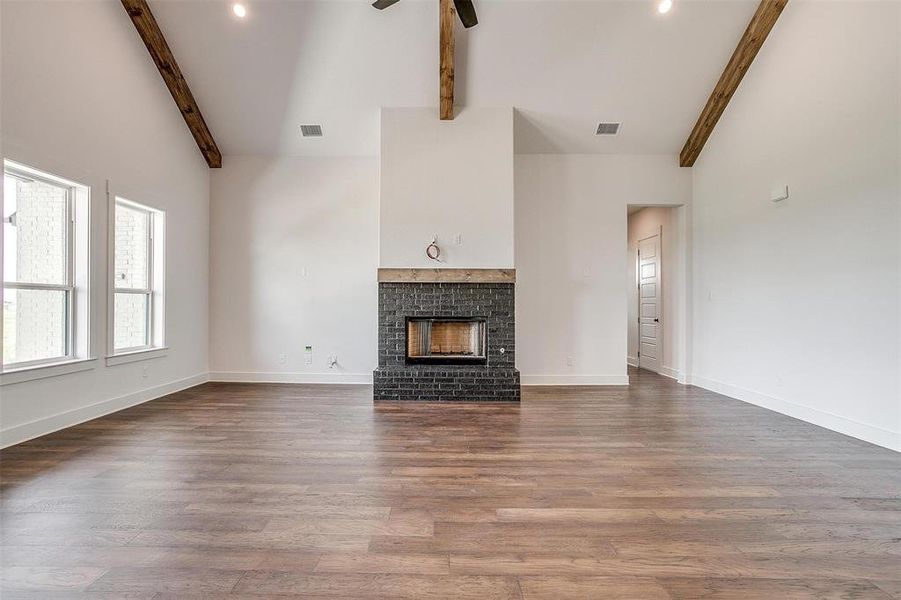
77, 284
147, 292
155, 293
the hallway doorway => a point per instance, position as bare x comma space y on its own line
656, 289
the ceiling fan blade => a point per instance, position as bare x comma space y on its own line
383, 4
467, 13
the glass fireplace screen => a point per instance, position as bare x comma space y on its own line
446, 340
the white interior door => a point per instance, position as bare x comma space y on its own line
650, 332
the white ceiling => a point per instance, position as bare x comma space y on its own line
564, 65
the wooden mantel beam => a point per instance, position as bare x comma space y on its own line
447, 275
758, 29
159, 50
446, 57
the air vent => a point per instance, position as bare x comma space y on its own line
311, 130
607, 129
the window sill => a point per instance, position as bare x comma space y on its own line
11, 376
138, 355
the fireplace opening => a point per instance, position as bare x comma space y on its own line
446, 340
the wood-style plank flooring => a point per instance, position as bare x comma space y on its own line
268, 491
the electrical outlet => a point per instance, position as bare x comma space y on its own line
308, 355
283, 358
332, 361
458, 239
569, 361
144, 372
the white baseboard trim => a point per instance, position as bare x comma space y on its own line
575, 379
862, 431
671, 373
28, 431
260, 377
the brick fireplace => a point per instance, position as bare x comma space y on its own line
446, 335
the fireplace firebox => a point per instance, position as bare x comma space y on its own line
446, 341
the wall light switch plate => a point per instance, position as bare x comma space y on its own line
778, 194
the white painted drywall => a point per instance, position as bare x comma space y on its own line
82, 99
796, 304
294, 250
642, 224
898, 134
447, 178
571, 242
273, 218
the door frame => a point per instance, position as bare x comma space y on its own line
660, 320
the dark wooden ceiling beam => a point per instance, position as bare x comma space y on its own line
758, 29
446, 56
162, 56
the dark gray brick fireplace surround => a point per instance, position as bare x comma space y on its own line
497, 380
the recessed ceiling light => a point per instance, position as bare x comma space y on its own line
239, 10
664, 6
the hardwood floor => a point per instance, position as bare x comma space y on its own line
259, 491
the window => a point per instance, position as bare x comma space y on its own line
137, 277
45, 292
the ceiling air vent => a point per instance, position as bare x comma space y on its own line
607, 129
311, 130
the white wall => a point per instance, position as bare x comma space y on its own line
571, 297
642, 224
81, 99
898, 108
447, 178
797, 304
294, 248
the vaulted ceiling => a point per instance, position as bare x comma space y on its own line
564, 65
